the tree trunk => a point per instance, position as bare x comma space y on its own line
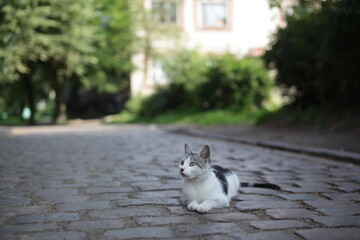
60, 107
59, 114
29, 88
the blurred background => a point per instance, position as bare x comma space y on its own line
180, 61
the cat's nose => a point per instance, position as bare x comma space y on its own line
181, 170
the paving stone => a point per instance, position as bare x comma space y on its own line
299, 196
87, 205
290, 213
107, 184
47, 217
253, 205
348, 186
65, 198
52, 236
112, 196
14, 202
132, 178
94, 179
259, 191
126, 212
108, 190
55, 192
144, 201
227, 217
329, 203
70, 185
338, 221
160, 194
10, 196
152, 186
252, 197
26, 228
340, 210
222, 237
330, 233
13, 211
344, 196
309, 190
205, 229
278, 224
139, 233
167, 220
97, 224
311, 185
267, 235
181, 210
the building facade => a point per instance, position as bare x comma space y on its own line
211, 26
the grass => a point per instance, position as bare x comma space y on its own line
288, 116
213, 117
11, 121
313, 117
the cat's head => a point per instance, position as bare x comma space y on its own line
193, 165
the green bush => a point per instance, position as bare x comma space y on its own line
200, 83
185, 67
318, 54
233, 83
164, 99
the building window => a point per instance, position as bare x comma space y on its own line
158, 76
213, 14
165, 12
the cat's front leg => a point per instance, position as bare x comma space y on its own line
207, 205
193, 205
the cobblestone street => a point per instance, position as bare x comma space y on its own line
122, 182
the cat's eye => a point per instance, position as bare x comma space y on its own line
192, 164
182, 162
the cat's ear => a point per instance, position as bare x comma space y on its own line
205, 153
187, 149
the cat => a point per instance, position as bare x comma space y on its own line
208, 186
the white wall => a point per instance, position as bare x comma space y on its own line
252, 23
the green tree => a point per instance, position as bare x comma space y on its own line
154, 37
46, 42
114, 39
317, 53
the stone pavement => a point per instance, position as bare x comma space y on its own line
122, 182
346, 140
338, 145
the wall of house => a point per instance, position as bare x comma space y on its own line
250, 25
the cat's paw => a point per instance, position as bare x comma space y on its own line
203, 209
192, 206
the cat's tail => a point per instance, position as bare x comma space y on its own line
260, 185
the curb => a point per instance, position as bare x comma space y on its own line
338, 155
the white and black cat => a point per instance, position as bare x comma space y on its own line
208, 186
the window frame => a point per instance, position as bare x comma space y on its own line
199, 15
179, 13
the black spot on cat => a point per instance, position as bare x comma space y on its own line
220, 174
220, 169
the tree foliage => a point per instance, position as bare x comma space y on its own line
46, 46
114, 39
39, 31
200, 83
318, 54
44, 42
